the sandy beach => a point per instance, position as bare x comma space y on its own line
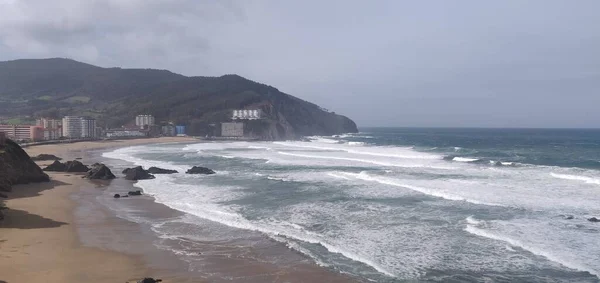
38, 239
41, 237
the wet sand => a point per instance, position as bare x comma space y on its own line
59, 232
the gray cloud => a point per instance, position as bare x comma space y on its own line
392, 63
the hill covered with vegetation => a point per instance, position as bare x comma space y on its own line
57, 87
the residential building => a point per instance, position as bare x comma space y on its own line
247, 114
232, 129
88, 127
180, 130
169, 130
124, 133
52, 134
144, 120
71, 127
22, 132
2, 138
49, 123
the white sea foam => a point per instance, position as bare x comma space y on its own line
548, 254
473, 221
585, 179
464, 159
427, 191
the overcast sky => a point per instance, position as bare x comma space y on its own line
382, 63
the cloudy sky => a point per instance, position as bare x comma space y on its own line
383, 63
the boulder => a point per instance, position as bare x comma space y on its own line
134, 193
593, 219
156, 170
45, 157
100, 171
137, 173
200, 170
149, 280
76, 166
117, 196
56, 166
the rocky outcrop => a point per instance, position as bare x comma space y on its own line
16, 167
56, 166
137, 173
156, 170
45, 157
70, 166
593, 219
200, 170
99, 171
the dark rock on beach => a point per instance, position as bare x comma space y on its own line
134, 193
117, 196
149, 280
156, 170
16, 167
137, 173
200, 170
76, 166
593, 219
45, 157
100, 171
56, 166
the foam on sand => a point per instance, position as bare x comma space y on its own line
585, 179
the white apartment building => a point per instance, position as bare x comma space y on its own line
71, 127
144, 120
247, 114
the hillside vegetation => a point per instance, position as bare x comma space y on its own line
58, 87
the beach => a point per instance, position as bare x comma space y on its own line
58, 232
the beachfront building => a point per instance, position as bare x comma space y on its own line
180, 130
232, 129
22, 132
125, 133
52, 134
168, 130
71, 127
49, 123
144, 120
247, 114
88, 127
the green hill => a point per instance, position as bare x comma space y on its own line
57, 87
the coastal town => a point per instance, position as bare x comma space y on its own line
85, 128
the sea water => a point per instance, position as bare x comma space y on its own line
397, 204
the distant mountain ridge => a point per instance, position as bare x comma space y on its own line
58, 87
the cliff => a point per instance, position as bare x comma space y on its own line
16, 167
59, 87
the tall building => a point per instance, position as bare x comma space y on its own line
88, 127
144, 120
71, 127
247, 114
180, 130
49, 123
232, 129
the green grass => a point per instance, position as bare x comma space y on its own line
78, 99
45, 97
18, 121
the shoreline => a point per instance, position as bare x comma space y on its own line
95, 230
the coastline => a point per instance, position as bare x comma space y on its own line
65, 220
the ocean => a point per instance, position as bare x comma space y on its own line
393, 204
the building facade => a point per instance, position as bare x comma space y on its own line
2, 138
169, 130
71, 127
52, 134
144, 120
180, 130
232, 129
247, 114
49, 123
22, 132
88, 127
